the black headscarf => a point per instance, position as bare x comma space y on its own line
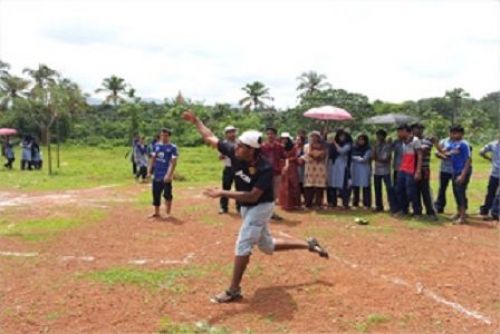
360, 150
332, 149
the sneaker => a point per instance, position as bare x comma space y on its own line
459, 221
315, 247
276, 217
227, 296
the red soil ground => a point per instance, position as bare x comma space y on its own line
381, 278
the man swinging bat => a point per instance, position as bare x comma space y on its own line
254, 192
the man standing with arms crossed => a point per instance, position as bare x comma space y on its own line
254, 191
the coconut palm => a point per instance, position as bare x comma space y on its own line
311, 82
257, 94
456, 97
114, 86
4, 68
42, 76
12, 87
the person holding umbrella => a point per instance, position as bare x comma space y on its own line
8, 153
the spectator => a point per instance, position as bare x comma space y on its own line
274, 153
36, 155
397, 149
339, 154
445, 176
315, 171
382, 172
26, 153
141, 159
289, 195
494, 158
410, 171
8, 153
300, 143
459, 152
423, 185
230, 133
361, 171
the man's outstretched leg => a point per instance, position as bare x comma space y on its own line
284, 244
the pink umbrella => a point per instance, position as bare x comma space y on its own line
328, 113
7, 132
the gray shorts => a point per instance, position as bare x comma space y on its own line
254, 230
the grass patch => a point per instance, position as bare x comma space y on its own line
371, 321
212, 221
150, 279
87, 167
41, 229
167, 326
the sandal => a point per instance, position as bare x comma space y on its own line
227, 296
315, 247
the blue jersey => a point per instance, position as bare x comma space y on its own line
163, 154
460, 153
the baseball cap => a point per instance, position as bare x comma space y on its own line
229, 128
251, 138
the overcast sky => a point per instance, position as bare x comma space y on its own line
389, 50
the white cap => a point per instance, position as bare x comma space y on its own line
229, 128
251, 138
315, 133
286, 135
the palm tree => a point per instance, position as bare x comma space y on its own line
43, 75
311, 82
257, 93
456, 97
4, 68
114, 86
12, 87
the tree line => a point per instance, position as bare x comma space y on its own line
43, 103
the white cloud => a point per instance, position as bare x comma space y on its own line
392, 50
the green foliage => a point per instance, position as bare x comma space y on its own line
371, 321
168, 326
52, 97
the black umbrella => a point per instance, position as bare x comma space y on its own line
391, 119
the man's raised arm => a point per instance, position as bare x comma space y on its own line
207, 134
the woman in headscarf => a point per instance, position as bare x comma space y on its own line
315, 155
289, 194
361, 171
339, 168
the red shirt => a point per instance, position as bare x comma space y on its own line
274, 153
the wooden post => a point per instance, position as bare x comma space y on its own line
49, 153
58, 138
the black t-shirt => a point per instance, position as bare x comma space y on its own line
246, 176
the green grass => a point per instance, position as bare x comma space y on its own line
371, 321
167, 326
150, 279
42, 229
87, 167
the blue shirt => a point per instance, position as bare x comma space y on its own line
460, 153
446, 164
494, 148
163, 153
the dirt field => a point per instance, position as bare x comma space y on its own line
117, 271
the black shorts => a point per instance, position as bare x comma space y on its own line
160, 187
